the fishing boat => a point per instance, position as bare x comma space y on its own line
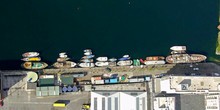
88, 53
67, 64
86, 65
86, 60
89, 56
125, 63
102, 59
31, 59
112, 60
101, 63
155, 58
87, 50
178, 48
185, 58
178, 52
62, 59
159, 62
124, 58
34, 65
30, 54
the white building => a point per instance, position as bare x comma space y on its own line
212, 102
189, 84
107, 100
164, 103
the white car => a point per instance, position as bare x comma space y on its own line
216, 74
195, 69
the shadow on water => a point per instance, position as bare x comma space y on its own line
11, 65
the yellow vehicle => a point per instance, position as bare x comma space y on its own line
85, 107
59, 104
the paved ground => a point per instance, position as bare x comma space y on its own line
28, 101
19, 99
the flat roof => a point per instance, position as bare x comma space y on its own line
195, 83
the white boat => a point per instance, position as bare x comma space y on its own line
86, 65
67, 64
63, 56
112, 60
126, 56
125, 63
178, 48
102, 59
62, 53
88, 53
30, 54
62, 59
159, 62
87, 50
86, 60
101, 63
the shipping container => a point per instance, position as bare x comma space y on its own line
106, 81
133, 80
147, 78
99, 81
113, 80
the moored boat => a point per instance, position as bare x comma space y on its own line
125, 63
124, 58
155, 58
87, 50
112, 60
30, 54
86, 60
178, 48
185, 58
62, 59
34, 65
67, 64
158, 62
178, 52
86, 65
102, 59
101, 63
89, 56
31, 59
88, 53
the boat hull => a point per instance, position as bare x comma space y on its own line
34, 65
185, 58
30, 54
67, 64
159, 62
86, 65
32, 59
125, 63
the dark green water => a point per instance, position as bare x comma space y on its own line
113, 28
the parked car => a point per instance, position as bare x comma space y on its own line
195, 69
193, 74
216, 74
187, 74
198, 74
208, 74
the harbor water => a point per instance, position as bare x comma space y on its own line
110, 28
